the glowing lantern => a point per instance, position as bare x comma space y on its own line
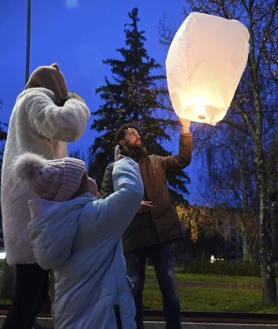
204, 64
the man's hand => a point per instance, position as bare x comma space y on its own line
92, 185
185, 124
146, 206
118, 153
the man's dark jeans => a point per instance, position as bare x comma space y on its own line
162, 257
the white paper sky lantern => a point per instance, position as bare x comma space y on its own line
204, 64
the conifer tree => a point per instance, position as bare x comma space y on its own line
135, 94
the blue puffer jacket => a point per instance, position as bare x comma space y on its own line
81, 241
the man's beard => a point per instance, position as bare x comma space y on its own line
135, 151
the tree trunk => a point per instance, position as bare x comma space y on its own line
275, 234
267, 265
245, 248
247, 256
269, 292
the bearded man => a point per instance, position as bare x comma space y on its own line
156, 226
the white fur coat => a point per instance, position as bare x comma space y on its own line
37, 125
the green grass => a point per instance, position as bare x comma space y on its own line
213, 300
188, 277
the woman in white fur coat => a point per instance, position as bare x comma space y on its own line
43, 120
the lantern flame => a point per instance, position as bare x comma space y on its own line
200, 107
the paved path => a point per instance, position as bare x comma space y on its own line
161, 325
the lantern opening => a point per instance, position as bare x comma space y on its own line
200, 107
203, 114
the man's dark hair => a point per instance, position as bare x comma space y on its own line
120, 134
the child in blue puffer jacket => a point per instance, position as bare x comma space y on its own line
78, 236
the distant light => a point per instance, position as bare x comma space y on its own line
212, 259
2, 255
72, 4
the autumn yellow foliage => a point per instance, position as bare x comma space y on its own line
206, 221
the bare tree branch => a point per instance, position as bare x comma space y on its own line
266, 33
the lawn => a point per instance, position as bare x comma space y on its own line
211, 299
188, 277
